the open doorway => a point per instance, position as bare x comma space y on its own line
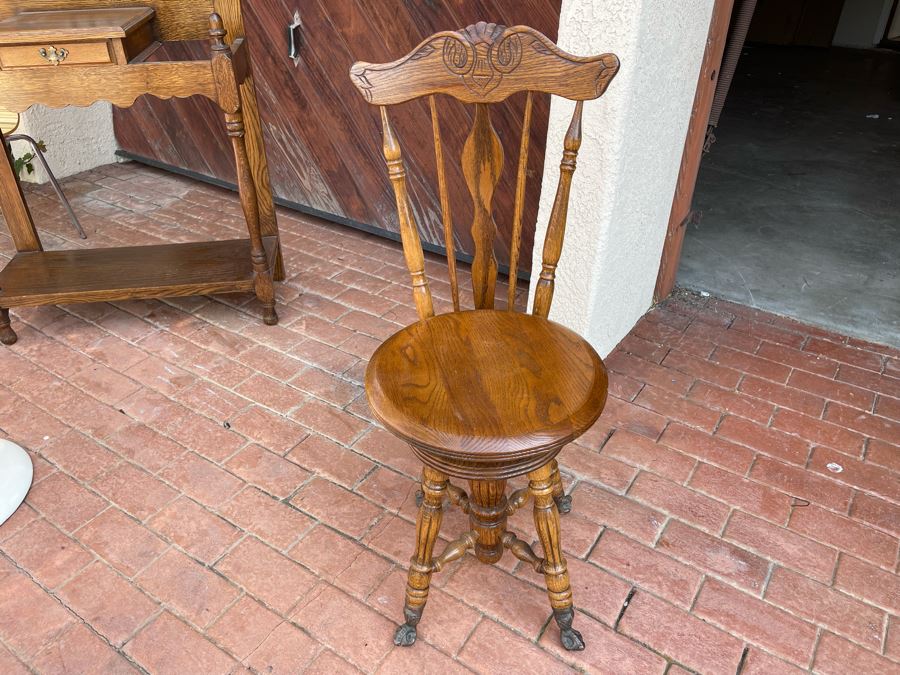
798, 200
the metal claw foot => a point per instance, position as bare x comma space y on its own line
420, 497
406, 635
564, 503
571, 638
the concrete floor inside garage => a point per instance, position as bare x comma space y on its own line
799, 198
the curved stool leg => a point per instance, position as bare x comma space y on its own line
556, 573
563, 501
428, 524
7, 334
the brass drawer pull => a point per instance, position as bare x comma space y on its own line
53, 55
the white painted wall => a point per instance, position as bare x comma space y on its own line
77, 139
629, 159
862, 23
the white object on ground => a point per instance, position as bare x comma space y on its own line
15, 478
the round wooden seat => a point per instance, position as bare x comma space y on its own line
486, 393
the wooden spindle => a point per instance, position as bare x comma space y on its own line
556, 229
229, 99
482, 162
445, 202
409, 235
520, 205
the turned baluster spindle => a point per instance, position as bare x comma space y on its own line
556, 229
517, 500
230, 101
409, 234
487, 517
454, 551
521, 550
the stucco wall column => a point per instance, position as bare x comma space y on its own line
77, 139
629, 159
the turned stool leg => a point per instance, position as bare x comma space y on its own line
563, 501
556, 574
7, 334
428, 524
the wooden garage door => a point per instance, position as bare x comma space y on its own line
323, 140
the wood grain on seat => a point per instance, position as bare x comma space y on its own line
487, 382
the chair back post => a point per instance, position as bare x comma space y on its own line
409, 233
484, 64
556, 228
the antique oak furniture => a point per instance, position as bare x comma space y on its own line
486, 395
77, 52
312, 108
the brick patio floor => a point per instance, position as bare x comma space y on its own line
211, 495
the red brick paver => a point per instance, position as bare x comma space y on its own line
211, 494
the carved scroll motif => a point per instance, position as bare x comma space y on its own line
485, 63
484, 56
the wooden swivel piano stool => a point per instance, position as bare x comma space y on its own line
77, 52
486, 395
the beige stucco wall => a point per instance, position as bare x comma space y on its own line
629, 159
77, 139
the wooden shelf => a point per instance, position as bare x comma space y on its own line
107, 274
102, 65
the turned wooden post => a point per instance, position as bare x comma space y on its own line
556, 573
409, 234
556, 229
487, 516
230, 101
232, 18
428, 525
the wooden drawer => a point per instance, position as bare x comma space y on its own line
76, 53
75, 37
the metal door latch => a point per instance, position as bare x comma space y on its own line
295, 38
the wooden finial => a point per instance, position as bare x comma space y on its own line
217, 32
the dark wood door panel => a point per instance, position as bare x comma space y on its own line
323, 139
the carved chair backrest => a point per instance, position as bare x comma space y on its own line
175, 19
483, 64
